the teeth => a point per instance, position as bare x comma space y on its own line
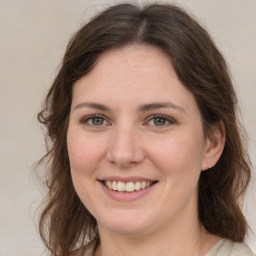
114, 185
127, 187
137, 185
120, 186
109, 184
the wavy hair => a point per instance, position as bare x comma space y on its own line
65, 223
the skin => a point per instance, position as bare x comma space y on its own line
127, 141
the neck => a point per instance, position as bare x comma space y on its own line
182, 239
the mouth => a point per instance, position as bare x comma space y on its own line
129, 187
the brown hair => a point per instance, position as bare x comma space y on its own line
65, 223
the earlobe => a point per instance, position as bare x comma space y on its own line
215, 143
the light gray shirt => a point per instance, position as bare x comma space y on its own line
223, 247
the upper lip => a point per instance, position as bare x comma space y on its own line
125, 179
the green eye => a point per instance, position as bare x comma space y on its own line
97, 121
159, 121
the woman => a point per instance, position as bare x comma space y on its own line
146, 154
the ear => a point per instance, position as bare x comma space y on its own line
214, 145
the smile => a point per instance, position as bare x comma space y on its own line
127, 187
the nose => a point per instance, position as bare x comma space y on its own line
125, 148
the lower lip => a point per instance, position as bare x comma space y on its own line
126, 196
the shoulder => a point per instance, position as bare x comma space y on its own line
225, 247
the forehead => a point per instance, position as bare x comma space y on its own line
132, 58
133, 64
133, 74
136, 52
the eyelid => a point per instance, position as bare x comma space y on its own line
170, 120
85, 120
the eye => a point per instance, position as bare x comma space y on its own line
161, 121
95, 120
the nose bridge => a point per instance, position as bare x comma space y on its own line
125, 146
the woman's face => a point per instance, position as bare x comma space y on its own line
135, 142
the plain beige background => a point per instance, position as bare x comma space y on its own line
33, 36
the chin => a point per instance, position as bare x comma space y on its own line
127, 223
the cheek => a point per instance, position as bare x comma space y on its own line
178, 154
84, 153
84, 156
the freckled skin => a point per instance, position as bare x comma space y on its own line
130, 144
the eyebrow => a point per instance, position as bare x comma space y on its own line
157, 105
141, 108
92, 105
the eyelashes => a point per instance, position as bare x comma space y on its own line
158, 121
95, 120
